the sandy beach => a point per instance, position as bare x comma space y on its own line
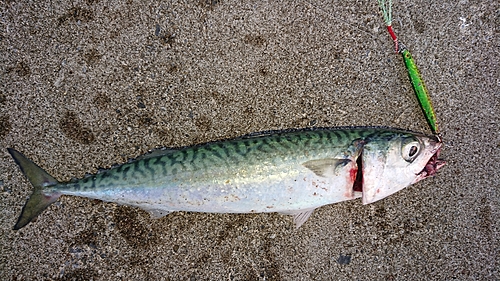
91, 83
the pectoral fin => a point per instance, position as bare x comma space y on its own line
325, 167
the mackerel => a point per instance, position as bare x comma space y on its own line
290, 172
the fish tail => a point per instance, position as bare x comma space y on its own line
40, 199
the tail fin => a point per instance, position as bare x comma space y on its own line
40, 179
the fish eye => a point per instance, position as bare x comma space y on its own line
410, 150
413, 151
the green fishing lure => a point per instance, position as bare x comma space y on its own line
413, 73
419, 88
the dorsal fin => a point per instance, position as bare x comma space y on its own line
155, 152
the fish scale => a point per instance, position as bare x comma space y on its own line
290, 172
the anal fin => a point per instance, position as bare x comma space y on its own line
157, 213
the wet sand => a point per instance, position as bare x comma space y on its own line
91, 83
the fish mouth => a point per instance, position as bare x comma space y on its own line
432, 166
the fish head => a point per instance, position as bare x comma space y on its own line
391, 163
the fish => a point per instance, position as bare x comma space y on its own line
290, 172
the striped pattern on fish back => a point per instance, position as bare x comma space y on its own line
222, 156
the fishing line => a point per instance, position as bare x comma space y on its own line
386, 8
412, 69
